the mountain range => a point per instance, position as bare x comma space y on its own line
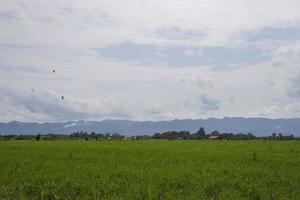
257, 126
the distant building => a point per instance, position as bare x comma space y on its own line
214, 137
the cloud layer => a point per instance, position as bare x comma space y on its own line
149, 60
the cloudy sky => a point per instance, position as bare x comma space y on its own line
149, 59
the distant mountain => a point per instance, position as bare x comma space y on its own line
257, 126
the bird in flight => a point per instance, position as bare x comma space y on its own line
33, 90
53, 71
62, 97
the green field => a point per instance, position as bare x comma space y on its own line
150, 169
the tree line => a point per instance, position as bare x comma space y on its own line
168, 135
201, 134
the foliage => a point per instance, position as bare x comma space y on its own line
38, 137
169, 135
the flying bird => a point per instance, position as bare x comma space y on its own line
32, 90
62, 97
53, 71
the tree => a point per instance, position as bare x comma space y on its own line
215, 133
250, 136
38, 137
201, 132
94, 135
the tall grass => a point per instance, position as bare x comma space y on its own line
149, 170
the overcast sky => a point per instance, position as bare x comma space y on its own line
149, 59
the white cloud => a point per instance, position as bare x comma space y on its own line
293, 88
101, 23
201, 82
282, 111
189, 52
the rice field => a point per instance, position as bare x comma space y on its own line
150, 169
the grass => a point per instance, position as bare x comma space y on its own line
150, 170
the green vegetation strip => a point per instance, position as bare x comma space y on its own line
150, 169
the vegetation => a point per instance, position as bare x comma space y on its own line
149, 169
170, 135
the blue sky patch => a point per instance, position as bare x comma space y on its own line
183, 57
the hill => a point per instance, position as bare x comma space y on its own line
257, 126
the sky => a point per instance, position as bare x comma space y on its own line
149, 59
